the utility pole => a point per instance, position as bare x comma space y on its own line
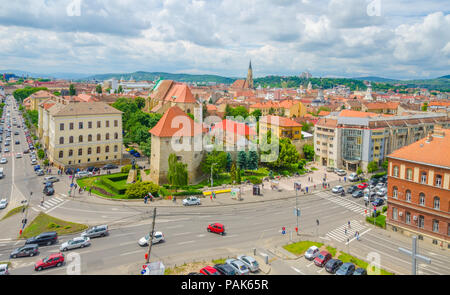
414, 255
150, 241
296, 206
212, 173
24, 221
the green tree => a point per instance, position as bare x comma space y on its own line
256, 113
308, 151
425, 106
41, 154
236, 112
372, 167
140, 102
120, 89
359, 171
215, 159
98, 89
177, 174
233, 172
146, 148
72, 90
385, 165
271, 111
229, 162
139, 190
242, 160
238, 176
253, 160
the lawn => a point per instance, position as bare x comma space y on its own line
88, 182
358, 262
13, 211
301, 247
331, 250
43, 223
379, 221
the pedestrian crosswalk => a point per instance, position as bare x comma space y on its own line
344, 233
345, 203
50, 203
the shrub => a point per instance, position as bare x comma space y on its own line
285, 173
46, 162
378, 175
163, 191
254, 179
109, 182
379, 221
188, 193
384, 209
53, 225
140, 189
125, 169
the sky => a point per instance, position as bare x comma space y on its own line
401, 39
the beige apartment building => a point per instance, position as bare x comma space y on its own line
80, 134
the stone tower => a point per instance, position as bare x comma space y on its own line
249, 80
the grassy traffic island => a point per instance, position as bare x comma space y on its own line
44, 223
192, 267
14, 211
300, 248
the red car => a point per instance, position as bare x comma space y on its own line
363, 185
322, 258
50, 261
217, 228
208, 270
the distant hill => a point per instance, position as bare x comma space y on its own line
166, 76
373, 79
65, 76
445, 77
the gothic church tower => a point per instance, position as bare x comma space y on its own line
249, 81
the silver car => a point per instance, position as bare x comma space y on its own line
96, 231
238, 266
250, 262
3, 203
4, 269
79, 242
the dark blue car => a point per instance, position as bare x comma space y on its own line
378, 202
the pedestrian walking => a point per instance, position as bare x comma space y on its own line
210, 197
345, 179
345, 231
145, 199
42, 201
349, 224
306, 189
90, 191
339, 179
314, 186
262, 184
174, 199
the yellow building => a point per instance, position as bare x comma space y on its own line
36, 98
81, 134
288, 108
282, 127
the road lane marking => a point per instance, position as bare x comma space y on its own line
180, 234
127, 243
310, 264
201, 236
9, 239
174, 226
34, 209
297, 270
359, 235
320, 270
133, 252
57, 206
187, 242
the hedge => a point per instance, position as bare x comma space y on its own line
378, 175
109, 182
188, 192
379, 221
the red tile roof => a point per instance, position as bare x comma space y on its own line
173, 122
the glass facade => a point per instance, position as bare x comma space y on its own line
352, 144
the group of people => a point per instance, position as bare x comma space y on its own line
356, 232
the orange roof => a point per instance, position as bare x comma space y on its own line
357, 114
180, 93
327, 122
439, 103
211, 107
172, 124
382, 105
239, 84
434, 152
279, 121
323, 113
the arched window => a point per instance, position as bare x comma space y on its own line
116, 148
421, 221
99, 137
61, 154
408, 195
80, 152
107, 136
116, 135
80, 138
70, 153
61, 140
423, 177
396, 171
90, 137
89, 151
395, 192
98, 150
71, 139
438, 180
107, 149
436, 203
422, 199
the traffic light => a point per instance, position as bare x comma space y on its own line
146, 255
24, 221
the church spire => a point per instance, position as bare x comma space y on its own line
249, 80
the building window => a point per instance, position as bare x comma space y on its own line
408, 196
436, 226
80, 125
80, 152
61, 154
394, 213
71, 139
99, 137
98, 150
71, 126
80, 138
61, 126
423, 178
116, 148
116, 123
90, 137
89, 151
107, 124
89, 125
61, 140
422, 199
436, 203
408, 218
116, 135
395, 192
99, 124
396, 171
107, 149
421, 221
409, 174
438, 180
107, 136
70, 153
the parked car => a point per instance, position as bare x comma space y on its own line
209, 270
225, 269
373, 181
33, 161
250, 262
51, 179
352, 189
353, 177
346, 269
312, 252
191, 201
382, 192
82, 174
50, 261
48, 191
330, 169
79, 242
239, 266
18, 155
369, 196
360, 272
322, 258
357, 194
25, 251
37, 167
378, 202
158, 237
92, 169
3, 161
3, 203
363, 185
96, 231
341, 172
44, 239
109, 167
40, 172
337, 189
217, 228
333, 265
4, 269
137, 155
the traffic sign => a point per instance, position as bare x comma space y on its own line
143, 271
144, 266
283, 230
